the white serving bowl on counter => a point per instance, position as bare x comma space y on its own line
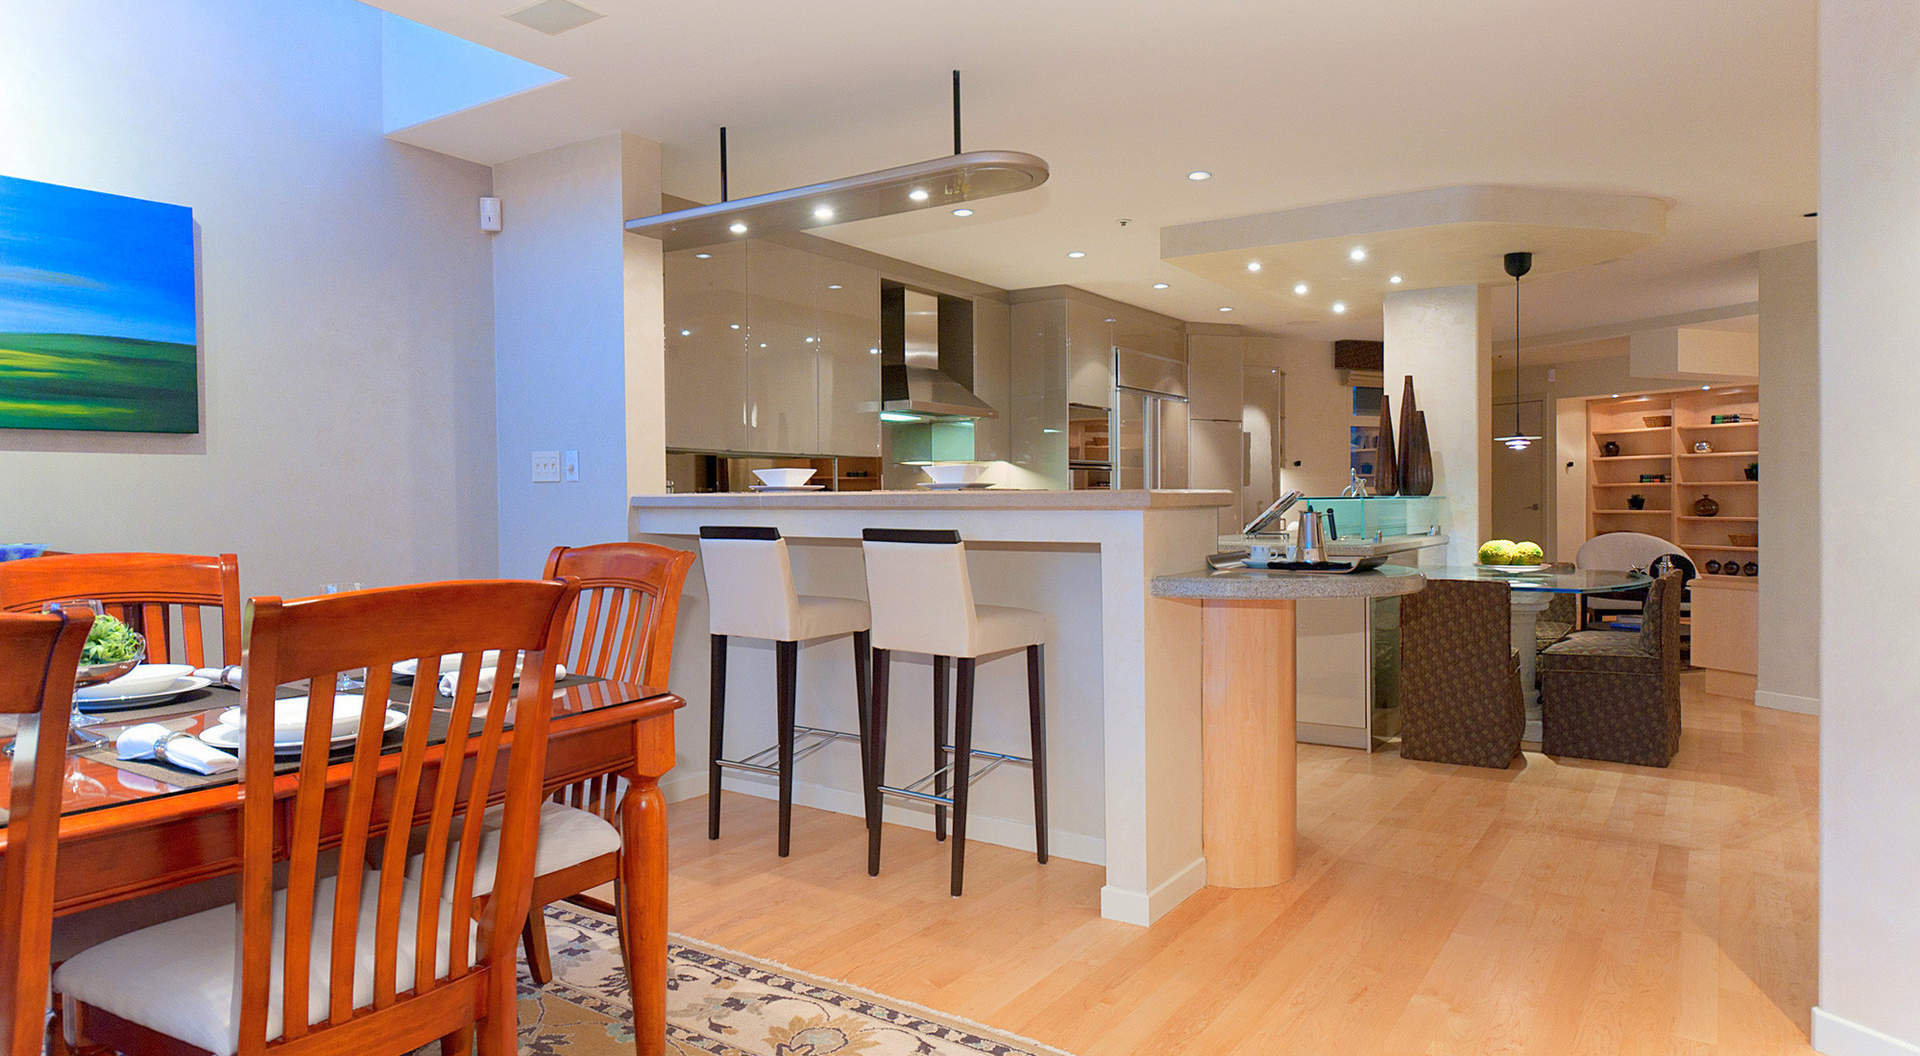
783, 478
955, 472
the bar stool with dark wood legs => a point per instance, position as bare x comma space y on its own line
922, 601
750, 594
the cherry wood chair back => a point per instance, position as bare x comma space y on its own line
427, 809
144, 590
631, 596
38, 655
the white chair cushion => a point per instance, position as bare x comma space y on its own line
568, 836
177, 977
827, 617
997, 628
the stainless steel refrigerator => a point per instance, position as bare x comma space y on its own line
1149, 427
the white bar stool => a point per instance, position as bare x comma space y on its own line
750, 594
922, 597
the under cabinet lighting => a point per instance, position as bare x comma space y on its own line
918, 194
702, 256
898, 416
823, 212
737, 228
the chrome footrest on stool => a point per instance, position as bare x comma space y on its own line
915, 789
765, 760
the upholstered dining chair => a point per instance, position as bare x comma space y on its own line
38, 657
1615, 695
144, 590
414, 934
631, 594
1460, 699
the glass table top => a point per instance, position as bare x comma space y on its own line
1548, 579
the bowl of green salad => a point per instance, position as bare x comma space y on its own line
112, 650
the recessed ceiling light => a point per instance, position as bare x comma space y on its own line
1075, 254
1339, 307
686, 333
733, 326
737, 228
918, 194
1395, 279
1253, 265
1224, 308
1300, 289
823, 212
1199, 174
833, 285
963, 211
1705, 388
553, 17
1159, 285
1357, 254
702, 256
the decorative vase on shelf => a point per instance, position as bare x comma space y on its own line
1404, 461
1416, 477
1636, 502
1704, 506
1701, 447
1731, 568
1751, 568
1386, 474
1753, 471
1610, 449
1713, 568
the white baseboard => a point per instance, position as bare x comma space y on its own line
1835, 1036
1767, 698
1144, 907
1003, 832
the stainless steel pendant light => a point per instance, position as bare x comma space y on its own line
939, 182
1518, 264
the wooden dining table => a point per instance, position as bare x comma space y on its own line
124, 834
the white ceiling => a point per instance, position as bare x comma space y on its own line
1709, 104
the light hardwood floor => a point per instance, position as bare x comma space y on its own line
1556, 907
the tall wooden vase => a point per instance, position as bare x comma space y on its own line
1386, 463
1404, 460
1417, 477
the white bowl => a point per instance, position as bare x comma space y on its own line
955, 472
783, 478
144, 679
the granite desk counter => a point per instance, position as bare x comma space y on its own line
1248, 786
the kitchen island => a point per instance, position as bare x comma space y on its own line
1123, 671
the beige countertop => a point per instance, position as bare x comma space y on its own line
932, 499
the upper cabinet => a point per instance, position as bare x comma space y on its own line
705, 306
848, 360
1089, 355
783, 334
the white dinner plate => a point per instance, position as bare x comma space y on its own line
778, 487
181, 686
141, 681
1516, 569
226, 735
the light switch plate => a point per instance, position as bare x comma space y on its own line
570, 465
546, 467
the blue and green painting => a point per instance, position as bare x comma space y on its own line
97, 320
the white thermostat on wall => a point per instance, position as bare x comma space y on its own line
489, 214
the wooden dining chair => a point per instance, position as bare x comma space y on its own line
631, 596
414, 937
144, 590
38, 656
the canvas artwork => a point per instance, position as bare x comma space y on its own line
97, 318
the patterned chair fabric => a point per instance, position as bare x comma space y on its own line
1614, 695
1460, 699
1563, 612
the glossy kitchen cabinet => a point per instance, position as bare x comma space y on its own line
846, 300
783, 332
1089, 355
705, 306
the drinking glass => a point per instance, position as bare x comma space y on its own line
354, 680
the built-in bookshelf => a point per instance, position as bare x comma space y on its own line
1653, 464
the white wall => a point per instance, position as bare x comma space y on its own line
1869, 706
346, 318
1789, 651
1317, 412
572, 293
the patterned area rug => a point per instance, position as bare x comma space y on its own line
722, 1003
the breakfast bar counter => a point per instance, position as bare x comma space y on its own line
1123, 672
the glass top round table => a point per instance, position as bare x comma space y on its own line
1549, 580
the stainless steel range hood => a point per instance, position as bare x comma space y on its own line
926, 358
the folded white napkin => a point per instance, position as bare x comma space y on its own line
150, 740
220, 676
450, 680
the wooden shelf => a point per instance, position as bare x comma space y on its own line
1717, 517
1743, 483
1632, 513
1721, 549
1646, 484
1720, 454
1629, 432
1631, 458
1723, 425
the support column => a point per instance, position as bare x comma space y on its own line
1789, 657
1444, 338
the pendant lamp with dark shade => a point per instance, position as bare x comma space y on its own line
1518, 264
